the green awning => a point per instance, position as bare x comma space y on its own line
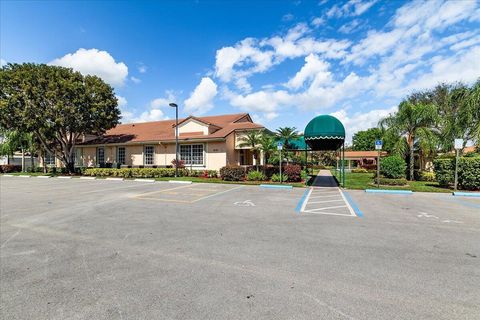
296, 144
324, 132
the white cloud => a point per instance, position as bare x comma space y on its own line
95, 62
2, 62
318, 21
150, 115
135, 80
314, 68
463, 67
360, 120
121, 101
350, 26
201, 99
141, 67
351, 8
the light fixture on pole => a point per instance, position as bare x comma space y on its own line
174, 105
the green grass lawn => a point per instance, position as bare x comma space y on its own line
362, 181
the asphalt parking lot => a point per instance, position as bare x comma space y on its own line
93, 249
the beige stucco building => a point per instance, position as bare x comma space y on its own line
205, 143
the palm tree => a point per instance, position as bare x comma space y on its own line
409, 121
252, 140
287, 134
266, 146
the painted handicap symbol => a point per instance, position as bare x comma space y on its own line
246, 203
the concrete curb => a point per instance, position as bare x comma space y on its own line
23, 176
144, 180
88, 178
114, 179
8, 175
64, 177
466, 194
389, 191
179, 181
275, 186
44, 177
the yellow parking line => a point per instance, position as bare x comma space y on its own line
160, 191
167, 200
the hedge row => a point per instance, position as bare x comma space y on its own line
7, 168
148, 172
237, 173
468, 172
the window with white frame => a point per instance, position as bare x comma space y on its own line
49, 159
100, 155
191, 154
121, 155
148, 155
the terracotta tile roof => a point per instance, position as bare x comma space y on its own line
165, 130
363, 154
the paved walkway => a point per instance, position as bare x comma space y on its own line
325, 197
324, 179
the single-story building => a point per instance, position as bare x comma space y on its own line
362, 159
205, 143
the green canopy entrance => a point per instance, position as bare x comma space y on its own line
324, 133
327, 133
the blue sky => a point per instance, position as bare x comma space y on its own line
282, 61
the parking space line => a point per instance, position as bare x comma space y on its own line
161, 191
316, 197
326, 201
216, 194
320, 209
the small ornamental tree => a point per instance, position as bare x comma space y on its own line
57, 105
393, 167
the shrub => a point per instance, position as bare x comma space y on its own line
392, 182
444, 169
359, 170
303, 175
232, 173
7, 168
427, 176
256, 176
393, 167
293, 171
276, 178
134, 172
181, 163
469, 173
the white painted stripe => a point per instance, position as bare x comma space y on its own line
7, 175
114, 179
330, 213
320, 209
43, 177
88, 178
306, 200
23, 176
326, 201
352, 212
316, 197
179, 181
216, 194
64, 177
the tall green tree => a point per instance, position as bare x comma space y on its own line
252, 140
16, 140
365, 140
458, 116
408, 122
57, 105
267, 146
287, 135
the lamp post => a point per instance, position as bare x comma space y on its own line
174, 105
